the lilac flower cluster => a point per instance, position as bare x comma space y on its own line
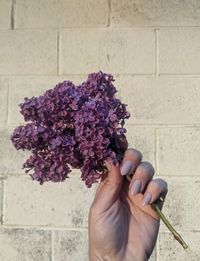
77, 126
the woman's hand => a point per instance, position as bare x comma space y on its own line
120, 227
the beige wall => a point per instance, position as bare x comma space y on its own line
153, 50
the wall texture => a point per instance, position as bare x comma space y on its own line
153, 50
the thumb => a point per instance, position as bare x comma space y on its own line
109, 188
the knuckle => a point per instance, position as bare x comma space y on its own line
147, 167
161, 183
135, 153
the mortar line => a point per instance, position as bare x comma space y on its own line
197, 75
2, 196
180, 75
156, 53
163, 125
52, 245
109, 13
12, 25
45, 228
7, 109
75, 74
114, 28
58, 52
155, 152
3, 201
171, 176
157, 162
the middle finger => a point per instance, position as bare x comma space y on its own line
143, 174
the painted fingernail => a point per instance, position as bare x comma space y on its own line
135, 188
127, 167
146, 199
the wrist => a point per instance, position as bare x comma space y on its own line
137, 257
96, 258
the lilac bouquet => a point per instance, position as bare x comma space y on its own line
75, 126
72, 126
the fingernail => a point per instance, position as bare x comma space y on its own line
135, 188
146, 199
127, 167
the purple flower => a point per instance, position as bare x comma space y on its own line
72, 126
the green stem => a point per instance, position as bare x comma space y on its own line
176, 235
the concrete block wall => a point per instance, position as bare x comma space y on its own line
153, 50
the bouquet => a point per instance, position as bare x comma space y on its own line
75, 127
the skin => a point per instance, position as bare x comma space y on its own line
119, 229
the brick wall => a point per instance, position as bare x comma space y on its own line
153, 50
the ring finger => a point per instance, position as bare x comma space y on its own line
155, 189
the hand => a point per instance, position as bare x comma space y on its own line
120, 227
